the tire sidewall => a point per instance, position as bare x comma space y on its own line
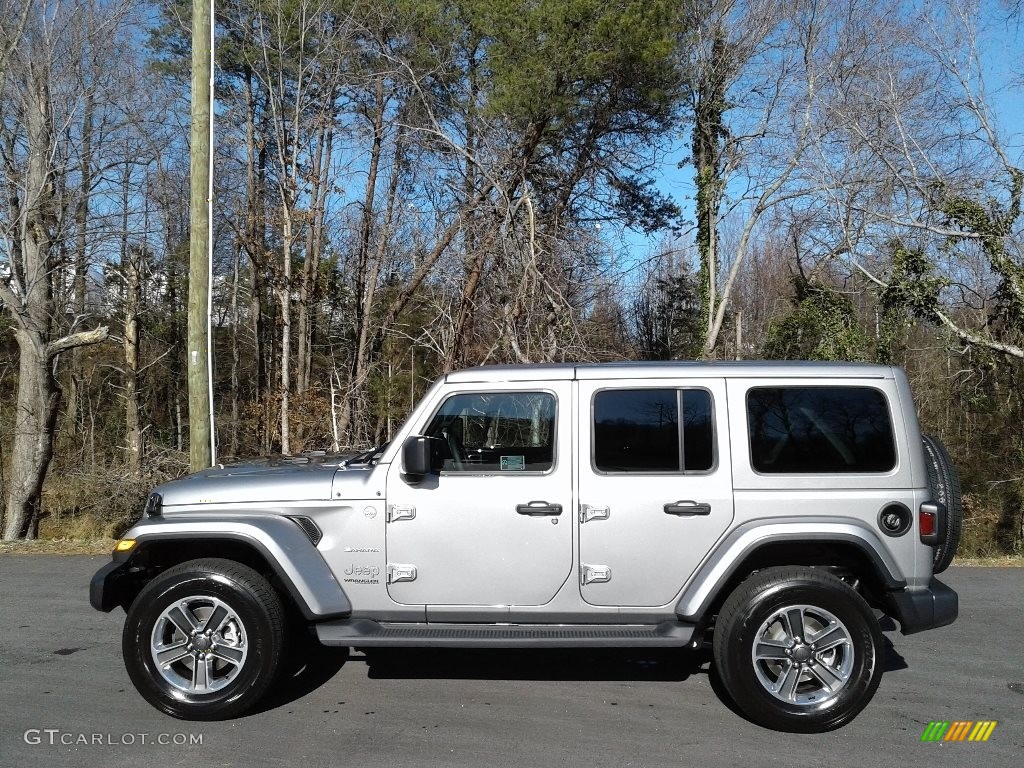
235, 697
865, 636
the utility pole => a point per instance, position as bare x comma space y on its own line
200, 385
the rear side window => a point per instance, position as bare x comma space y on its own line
640, 430
819, 430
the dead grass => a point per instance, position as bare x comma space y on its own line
98, 546
1002, 561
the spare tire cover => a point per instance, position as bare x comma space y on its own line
944, 484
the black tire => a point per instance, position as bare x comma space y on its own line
944, 484
259, 613
763, 596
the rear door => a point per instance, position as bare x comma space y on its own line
655, 486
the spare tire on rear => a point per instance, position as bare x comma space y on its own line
944, 484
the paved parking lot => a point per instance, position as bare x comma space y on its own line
62, 682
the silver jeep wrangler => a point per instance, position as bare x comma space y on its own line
773, 510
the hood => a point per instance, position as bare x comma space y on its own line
284, 479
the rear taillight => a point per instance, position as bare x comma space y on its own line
929, 521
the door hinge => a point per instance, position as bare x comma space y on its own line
588, 513
595, 574
399, 572
400, 512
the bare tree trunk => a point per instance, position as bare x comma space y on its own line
255, 245
130, 265
235, 357
284, 299
132, 302
311, 267
169, 208
38, 400
81, 260
463, 322
37, 390
31, 310
367, 266
260, 334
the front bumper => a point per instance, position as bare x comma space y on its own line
107, 587
921, 609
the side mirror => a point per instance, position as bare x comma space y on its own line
417, 453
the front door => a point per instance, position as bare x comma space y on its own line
495, 526
655, 486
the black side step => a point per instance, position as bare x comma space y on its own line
369, 633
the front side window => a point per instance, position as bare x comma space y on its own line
639, 430
819, 430
502, 432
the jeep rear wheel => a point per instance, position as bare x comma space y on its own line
203, 639
798, 650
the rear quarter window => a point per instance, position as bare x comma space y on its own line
819, 430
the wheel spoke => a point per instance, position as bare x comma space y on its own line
184, 620
830, 637
795, 623
785, 686
172, 654
201, 673
771, 650
228, 654
827, 681
220, 613
828, 676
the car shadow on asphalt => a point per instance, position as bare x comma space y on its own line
305, 669
893, 661
668, 664
311, 667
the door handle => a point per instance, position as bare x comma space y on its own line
538, 508
687, 508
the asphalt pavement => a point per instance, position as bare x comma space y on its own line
65, 698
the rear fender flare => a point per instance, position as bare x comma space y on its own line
743, 541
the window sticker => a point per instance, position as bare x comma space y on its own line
513, 463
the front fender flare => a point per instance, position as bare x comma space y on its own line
736, 546
287, 550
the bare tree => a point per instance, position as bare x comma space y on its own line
296, 61
896, 180
753, 81
36, 86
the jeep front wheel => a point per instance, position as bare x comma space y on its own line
203, 639
798, 650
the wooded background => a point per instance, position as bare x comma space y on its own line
405, 187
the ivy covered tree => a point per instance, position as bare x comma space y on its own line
821, 325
